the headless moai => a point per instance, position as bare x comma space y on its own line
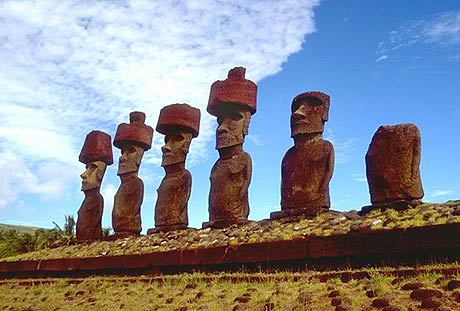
232, 101
133, 139
307, 167
96, 153
179, 123
393, 167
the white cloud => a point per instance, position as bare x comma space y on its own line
441, 29
256, 139
343, 148
440, 193
360, 178
69, 67
108, 192
49, 180
381, 58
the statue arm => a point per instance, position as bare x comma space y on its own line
246, 176
416, 155
329, 167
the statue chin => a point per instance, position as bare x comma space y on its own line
306, 128
170, 160
89, 186
224, 141
125, 169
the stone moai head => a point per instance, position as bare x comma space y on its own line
96, 153
179, 123
393, 164
133, 139
232, 101
309, 112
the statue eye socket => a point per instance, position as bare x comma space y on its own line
295, 107
236, 116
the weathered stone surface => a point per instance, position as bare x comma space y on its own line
177, 117
431, 302
172, 200
136, 132
423, 293
392, 164
133, 139
453, 284
380, 302
89, 221
232, 101
96, 153
126, 214
97, 147
411, 286
307, 167
179, 123
235, 90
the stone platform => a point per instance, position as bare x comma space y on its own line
354, 249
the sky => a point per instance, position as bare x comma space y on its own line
69, 67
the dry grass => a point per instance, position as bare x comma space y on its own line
261, 231
197, 291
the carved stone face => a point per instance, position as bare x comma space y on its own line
233, 126
176, 147
307, 117
130, 160
91, 178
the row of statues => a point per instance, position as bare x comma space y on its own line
392, 164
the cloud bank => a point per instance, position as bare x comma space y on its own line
69, 67
441, 30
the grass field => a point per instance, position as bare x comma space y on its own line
19, 229
333, 223
221, 292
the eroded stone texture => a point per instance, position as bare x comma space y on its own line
179, 123
307, 167
392, 165
133, 139
96, 153
232, 101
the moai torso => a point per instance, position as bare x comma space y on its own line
228, 197
233, 102
96, 154
89, 222
307, 167
172, 200
133, 139
180, 123
304, 176
392, 164
126, 214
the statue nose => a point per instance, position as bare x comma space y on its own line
299, 114
222, 128
165, 149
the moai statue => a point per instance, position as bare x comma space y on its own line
232, 101
307, 167
96, 154
133, 139
179, 123
392, 167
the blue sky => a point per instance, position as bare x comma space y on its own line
69, 67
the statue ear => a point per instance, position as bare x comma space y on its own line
247, 119
188, 138
139, 155
101, 170
325, 115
